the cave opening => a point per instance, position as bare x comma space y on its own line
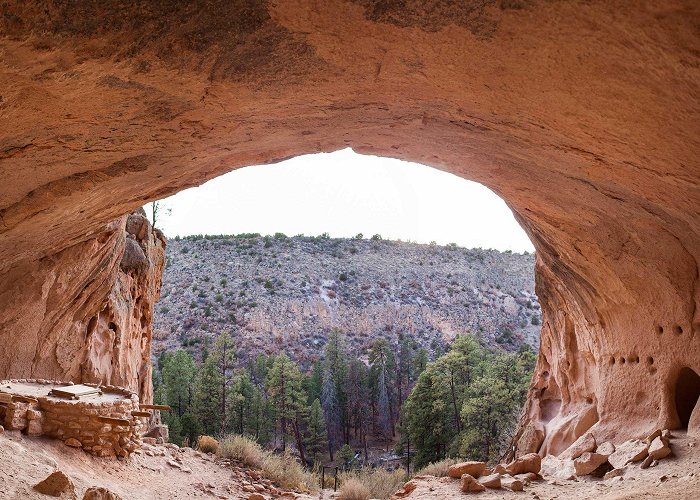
687, 394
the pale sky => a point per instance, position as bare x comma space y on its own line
344, 193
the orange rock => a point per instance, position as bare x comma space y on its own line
56, 485
474, 469
607, 195
531, 462
471, 485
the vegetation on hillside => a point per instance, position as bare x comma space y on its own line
463, 404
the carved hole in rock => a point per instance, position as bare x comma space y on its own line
686, 394
612, 360
622, 360
659, 329
678, 329
650, 360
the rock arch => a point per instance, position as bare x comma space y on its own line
584, 117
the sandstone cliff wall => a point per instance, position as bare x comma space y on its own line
583, 116
85, 313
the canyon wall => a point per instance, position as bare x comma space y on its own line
583, 116
85, 313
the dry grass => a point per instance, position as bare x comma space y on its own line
379, 483
283, 470
207, 444
437, 469
353, 489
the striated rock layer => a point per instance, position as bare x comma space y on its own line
583, 116
85, 313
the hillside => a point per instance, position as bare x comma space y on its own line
286, 293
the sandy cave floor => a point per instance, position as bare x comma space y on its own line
26, 461
676, 477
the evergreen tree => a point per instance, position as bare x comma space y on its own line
382, 364
223, 355
425, 416
331, 410
333, 390
419, 363
316, 438
178, 378
242, 398
285, 392
207, 397
487, 413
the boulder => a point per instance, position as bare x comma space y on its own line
73, 443
630, 451
256, 496
659, 448
653, 436
56, 485
557, 467
588, 462
512, 483
100, 493
528, 477
646, 462
471, 485
531, 462
615, 473
492, 481
134, 258
474, 469
407, 489
607, 449
501, 469
579, 447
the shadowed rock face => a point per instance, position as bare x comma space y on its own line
584, 117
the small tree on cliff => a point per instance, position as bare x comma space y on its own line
158, 210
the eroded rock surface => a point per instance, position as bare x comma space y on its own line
584, 117
85, 313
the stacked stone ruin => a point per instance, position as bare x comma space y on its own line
104, 428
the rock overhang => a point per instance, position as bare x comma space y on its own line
584, 120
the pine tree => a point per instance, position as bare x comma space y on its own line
425, 416
178, 378
285, 392
331, 410
383, 364
333, 390
242, 398
383, 408
223, 355
419, 363
487, 413
207, 397
316, 437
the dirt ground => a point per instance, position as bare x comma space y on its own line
676, 477
26, 461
